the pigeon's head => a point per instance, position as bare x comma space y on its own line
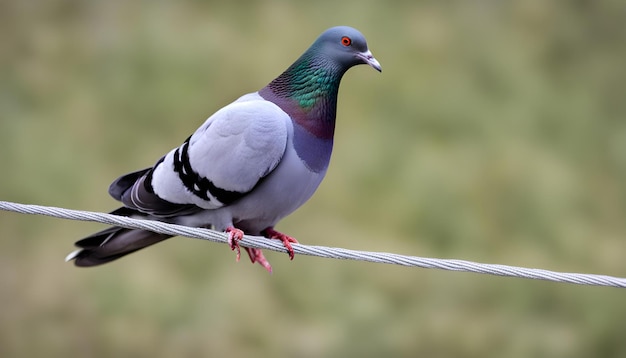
346, 46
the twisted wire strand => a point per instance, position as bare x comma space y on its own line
319, 251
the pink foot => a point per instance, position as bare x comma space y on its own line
256, 255
287, 240
234, 236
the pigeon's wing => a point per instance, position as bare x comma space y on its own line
220, 163
244, 143
136, 192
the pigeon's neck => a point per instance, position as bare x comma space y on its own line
307, 91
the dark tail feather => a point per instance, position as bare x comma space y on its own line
112, 243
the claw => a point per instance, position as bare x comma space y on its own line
256, 255
286, 239
234, 236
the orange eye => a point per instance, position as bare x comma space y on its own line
346, 41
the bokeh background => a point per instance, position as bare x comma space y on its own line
496, 133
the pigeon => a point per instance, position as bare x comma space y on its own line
247, 166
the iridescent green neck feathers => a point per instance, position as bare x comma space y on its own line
309, 82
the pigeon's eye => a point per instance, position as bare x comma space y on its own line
346, 41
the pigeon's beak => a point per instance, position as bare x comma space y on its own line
369, 59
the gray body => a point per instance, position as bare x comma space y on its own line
289, 185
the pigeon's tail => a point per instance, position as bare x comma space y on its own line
112, 243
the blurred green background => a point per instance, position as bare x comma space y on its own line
496, 133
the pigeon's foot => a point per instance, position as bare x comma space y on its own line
234, 236
286, 239
256, 255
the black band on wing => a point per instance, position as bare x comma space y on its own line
136, 192
196, 184
148, 182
